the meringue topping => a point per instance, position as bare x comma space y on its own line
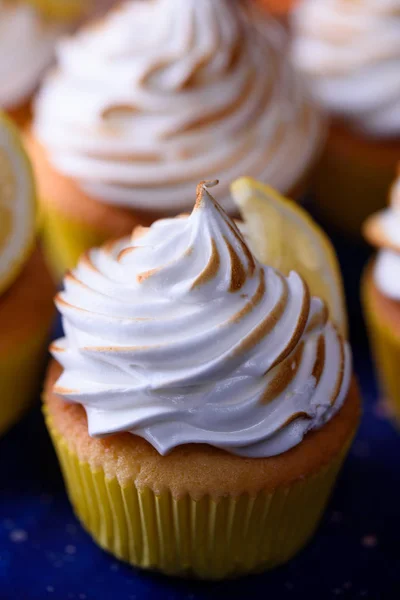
161, 345
161, 94
27, 43
350, 52
383, 231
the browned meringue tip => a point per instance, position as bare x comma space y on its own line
59, 301
125, 252
319, 319
146, 274
114, 109
62, 391
108, 246
201, 188
373, 232
53, 347
69, 276
86, 260
138, 232
299, 415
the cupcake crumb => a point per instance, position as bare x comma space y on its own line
50, 589
70, 549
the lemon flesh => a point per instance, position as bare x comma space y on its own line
284, 236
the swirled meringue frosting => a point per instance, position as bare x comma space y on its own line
180, 336
27, 45
350, 51
383, 230
162, 94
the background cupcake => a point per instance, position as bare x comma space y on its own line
279, 8
381, 291
29, 32
152, 99
351, 55
26, 289
244, 416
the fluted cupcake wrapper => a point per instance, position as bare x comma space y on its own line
385, 347
207, 538
66, 239
21, 371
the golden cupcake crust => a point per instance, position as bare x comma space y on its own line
27, 306
198, 469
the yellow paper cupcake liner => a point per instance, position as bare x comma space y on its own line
65, 240
385, 347
21, 371
207, 538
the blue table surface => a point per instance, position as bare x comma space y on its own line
44, 553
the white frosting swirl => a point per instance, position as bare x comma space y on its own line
387, 273
164, 93
180, 336
386, 234
27, 43
351, 53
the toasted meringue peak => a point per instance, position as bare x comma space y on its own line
180, 335
350, 51
161, 94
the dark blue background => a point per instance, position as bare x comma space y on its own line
44, 553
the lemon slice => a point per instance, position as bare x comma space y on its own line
62, 10
283, 235
17, 204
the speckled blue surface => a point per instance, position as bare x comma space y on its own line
44, 553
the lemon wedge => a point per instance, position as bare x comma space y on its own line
283, 235
62, 10
17, 204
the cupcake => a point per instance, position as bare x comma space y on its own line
381, 295
200, 403
40, 24
154, 98
26, 287
350, 53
